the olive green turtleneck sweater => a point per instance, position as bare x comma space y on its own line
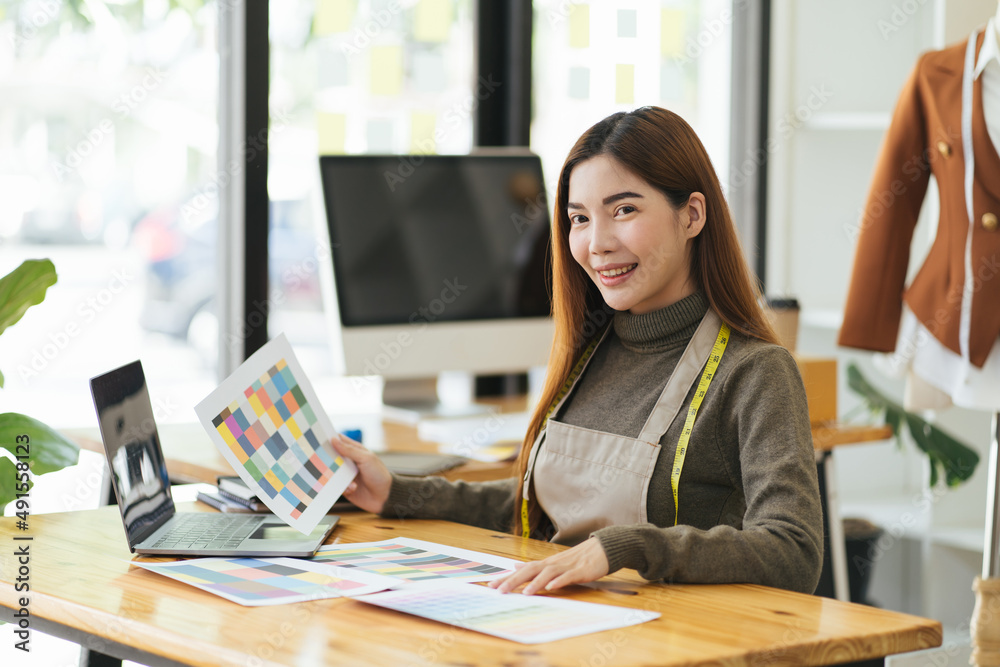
749, 499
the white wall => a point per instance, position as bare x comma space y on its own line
837, 68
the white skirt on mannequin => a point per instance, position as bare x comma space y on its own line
935, 376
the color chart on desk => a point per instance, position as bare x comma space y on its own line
415, 560
529, 619
268, 424
255, 582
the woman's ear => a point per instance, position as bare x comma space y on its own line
695, 215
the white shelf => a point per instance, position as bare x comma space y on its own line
965, 538
848, 120
896, 515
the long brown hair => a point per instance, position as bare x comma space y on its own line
660, 147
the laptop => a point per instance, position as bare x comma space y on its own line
139, 476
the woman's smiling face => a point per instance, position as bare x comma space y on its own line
628, 238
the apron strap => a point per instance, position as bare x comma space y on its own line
682, 379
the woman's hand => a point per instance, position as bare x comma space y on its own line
370, 489
584, 562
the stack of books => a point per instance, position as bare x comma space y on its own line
233, 495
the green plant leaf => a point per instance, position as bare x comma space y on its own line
957, 461
7, 481
23, 288
47, 449
946, 454
1, 379
893, 418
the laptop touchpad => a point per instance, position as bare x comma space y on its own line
284, 532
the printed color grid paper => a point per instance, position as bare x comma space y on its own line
268, 424
529, 619
415, 560
255, 582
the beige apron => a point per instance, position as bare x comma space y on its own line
589, 479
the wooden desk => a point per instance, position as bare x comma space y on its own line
83, 588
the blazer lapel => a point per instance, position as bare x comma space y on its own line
987, 160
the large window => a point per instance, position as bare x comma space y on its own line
593, 59
107, 141
352, 77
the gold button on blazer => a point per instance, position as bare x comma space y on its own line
925, 137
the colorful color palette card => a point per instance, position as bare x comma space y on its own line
268, 424
255, 582
415, 560
529, 619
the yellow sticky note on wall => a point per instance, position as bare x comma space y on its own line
672, 32
432, 20
386, 70
333, 16
332, 130
422, 126
579, 26
624, 84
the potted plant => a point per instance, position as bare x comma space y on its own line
946, 454
27, 447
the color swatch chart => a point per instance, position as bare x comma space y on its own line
529, 619
415, 560
271, 433
268, 581
268, 424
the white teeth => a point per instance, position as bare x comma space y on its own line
617, 272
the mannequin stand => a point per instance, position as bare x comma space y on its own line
985, 622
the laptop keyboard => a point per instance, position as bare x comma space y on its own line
206, 532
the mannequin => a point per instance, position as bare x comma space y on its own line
947, 337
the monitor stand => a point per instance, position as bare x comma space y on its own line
409, 401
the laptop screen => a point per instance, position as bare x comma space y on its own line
138, 471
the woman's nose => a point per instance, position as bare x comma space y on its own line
602, 238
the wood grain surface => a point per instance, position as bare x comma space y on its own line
81, 577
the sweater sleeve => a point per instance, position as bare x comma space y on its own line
485, 504
780, 542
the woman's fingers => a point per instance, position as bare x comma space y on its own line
584, 562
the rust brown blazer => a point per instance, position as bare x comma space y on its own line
926, 137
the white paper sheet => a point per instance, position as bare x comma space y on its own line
528, 619
269, 425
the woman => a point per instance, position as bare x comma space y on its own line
675, 440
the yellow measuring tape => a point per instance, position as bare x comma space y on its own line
682, 443
567, 385
706, 379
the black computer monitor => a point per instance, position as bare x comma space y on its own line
440, 263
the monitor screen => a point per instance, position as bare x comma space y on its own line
437, 238
138, 471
